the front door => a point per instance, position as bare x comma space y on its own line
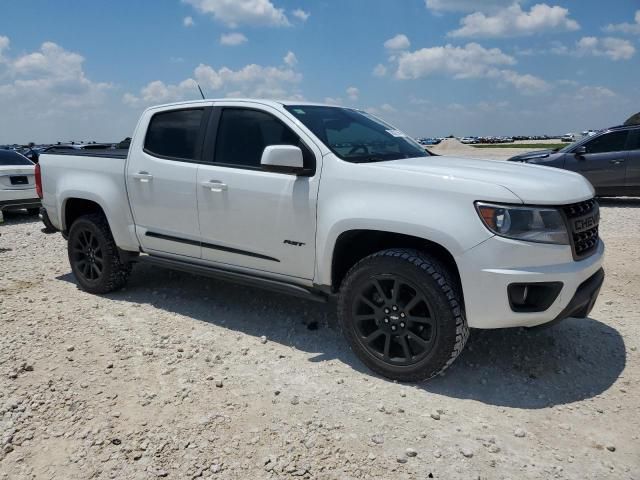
161, 181
251, 218
604, 163
633, 163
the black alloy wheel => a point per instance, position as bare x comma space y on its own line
394, 320
88, 255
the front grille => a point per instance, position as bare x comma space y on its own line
583, 219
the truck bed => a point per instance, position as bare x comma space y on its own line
106, 152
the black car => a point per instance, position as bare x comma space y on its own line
610, 160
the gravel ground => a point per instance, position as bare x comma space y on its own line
453, 146
185, 377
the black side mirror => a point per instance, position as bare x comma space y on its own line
580, 151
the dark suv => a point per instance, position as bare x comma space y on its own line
610, 160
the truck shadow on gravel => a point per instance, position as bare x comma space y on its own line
572, 361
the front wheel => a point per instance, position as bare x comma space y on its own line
402, 314
93, 255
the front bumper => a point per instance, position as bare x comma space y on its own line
488, 269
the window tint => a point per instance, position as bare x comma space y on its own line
356, 136
635, 139
174, 134
243, 135
609, 142
9, 157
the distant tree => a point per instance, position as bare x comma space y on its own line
633, 119
31, 144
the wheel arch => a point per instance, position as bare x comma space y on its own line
352, 246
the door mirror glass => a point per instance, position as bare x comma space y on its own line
282, 158
580, 150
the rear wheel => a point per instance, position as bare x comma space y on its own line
93, 255
402, 314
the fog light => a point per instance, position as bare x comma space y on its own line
533, 297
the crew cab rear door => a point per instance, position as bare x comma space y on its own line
633, 163
604, 163
161, 179
249, 217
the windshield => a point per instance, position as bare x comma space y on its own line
9, 157
356, 136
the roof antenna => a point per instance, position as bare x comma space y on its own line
201, 94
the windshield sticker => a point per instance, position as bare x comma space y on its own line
299, 111
396, 133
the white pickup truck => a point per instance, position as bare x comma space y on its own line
323, 201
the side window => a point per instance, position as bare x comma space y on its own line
243, 134
609, 142
174, 134
635, 139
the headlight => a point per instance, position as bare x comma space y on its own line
543, 225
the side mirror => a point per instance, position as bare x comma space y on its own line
282, 158
580, 151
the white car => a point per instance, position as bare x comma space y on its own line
321, 201
17, 183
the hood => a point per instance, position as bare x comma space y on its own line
533, 155
533, 184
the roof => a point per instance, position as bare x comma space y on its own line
272, 103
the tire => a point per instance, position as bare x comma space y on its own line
33, 211
93, 255
423, 328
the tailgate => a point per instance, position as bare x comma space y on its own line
17, 178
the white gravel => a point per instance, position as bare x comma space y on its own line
185, 377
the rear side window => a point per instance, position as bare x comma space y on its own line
174, 134
243, 135
609, 142
9, 157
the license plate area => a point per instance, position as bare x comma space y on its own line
19, 180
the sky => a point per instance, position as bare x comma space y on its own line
84, 70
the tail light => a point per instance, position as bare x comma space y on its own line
38, 181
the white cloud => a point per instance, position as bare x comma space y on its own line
333, 100
290, 59
613, 48
469, 61
353, 93
379, 70
249, 81
466, 5
629, 28
594, 92
524, 83
399, 42
232, 39
242, 12
301, 14
188, 22
513, 22
46, 95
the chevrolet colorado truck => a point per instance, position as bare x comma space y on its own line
321, 202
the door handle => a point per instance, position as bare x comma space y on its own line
215, 186
144, 177
617, 161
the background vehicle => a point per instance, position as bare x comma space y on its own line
17, 183
318, 201
609, 159
567, 137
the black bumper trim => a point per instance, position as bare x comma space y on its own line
583, 300
22, 203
